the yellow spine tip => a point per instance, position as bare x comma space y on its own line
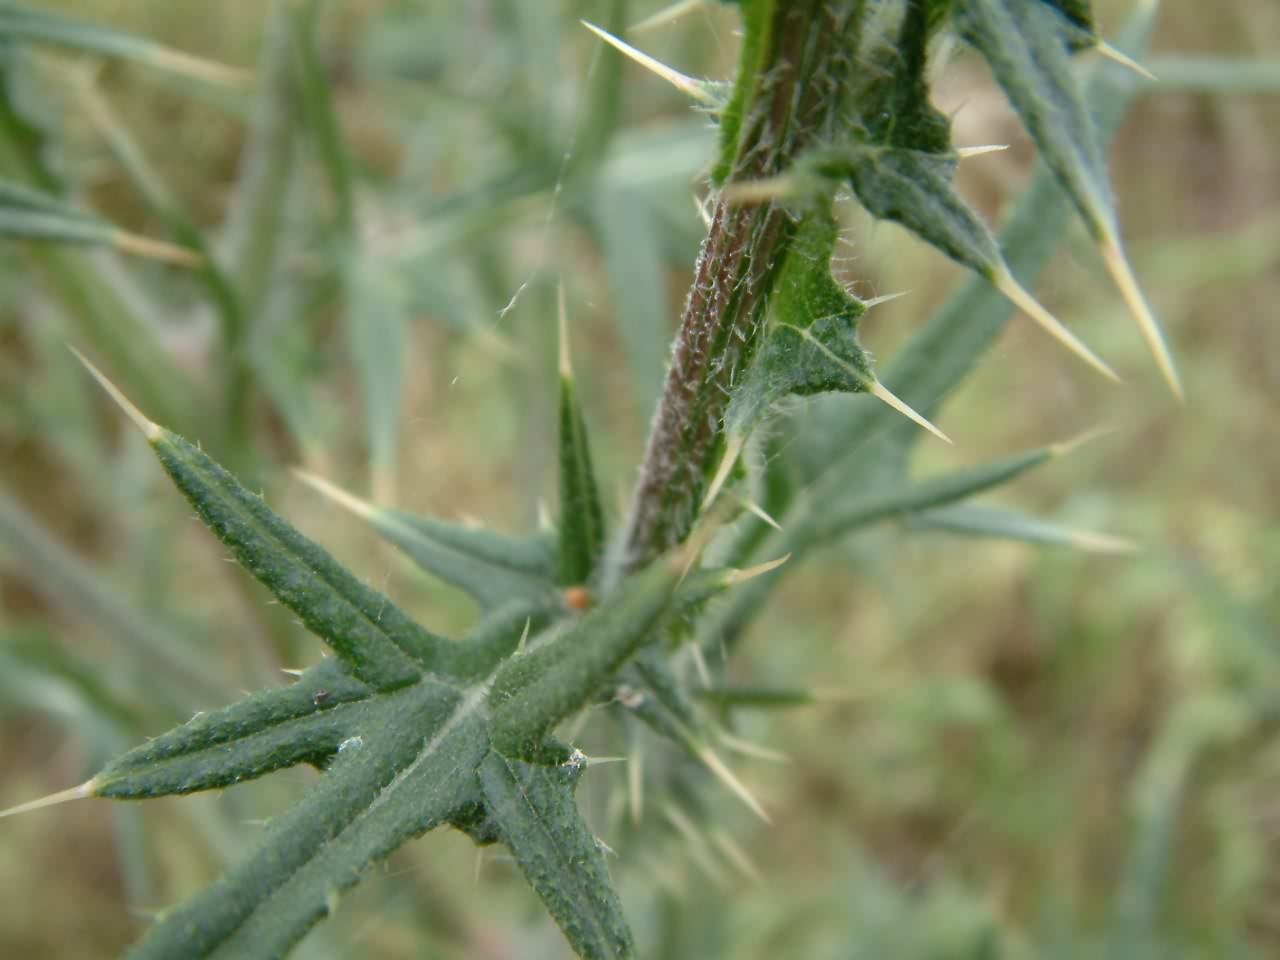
734, 575
1122, 58
150, 430
75, 793
759, 513
361, 508
1004, 281
885, 395
965, 153
732, 449
566, 363
1122, 274
686, 85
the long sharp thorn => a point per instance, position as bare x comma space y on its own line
1004, 281
759, 512
1118, 266
884, 298
732, 449
686, 85
725, 776
524, 635
733, 575
667, 15
1122, 58
361, 508
566, 364
150, 430
964, 153
75, 793
881, 392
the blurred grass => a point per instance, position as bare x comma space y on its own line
1035, 752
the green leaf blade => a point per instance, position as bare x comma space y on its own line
535, 691
382, 789
305, 722
386, 648
539, 821
1027, 46
582, 531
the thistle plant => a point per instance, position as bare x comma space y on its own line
412, 730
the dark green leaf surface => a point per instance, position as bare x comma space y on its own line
582, 531
1028, 46
537, 817
409, 768
385, 647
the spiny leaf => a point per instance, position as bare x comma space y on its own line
534, 692
938, 357
537, 818
408, 769
582, 533
1028, 46
899, 161
401, 723
386, 648
489, 567
1024, 45
304, 722
811, 341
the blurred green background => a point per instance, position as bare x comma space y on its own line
1020, 751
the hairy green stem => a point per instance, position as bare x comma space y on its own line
789, 97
